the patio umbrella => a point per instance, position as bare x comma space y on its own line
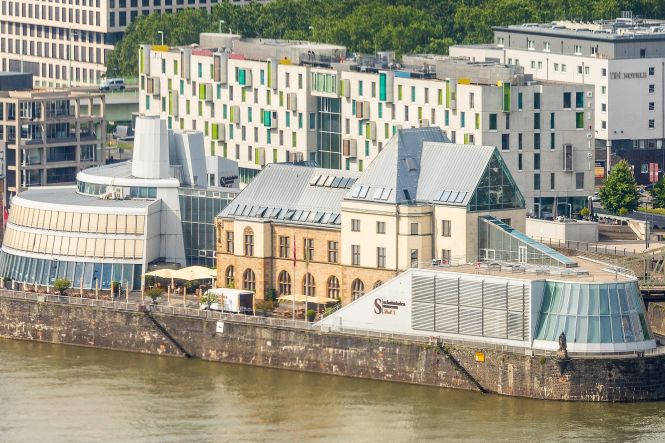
163, 273
195, 273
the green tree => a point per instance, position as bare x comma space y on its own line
619, 190
61, 285
209, 298
658, 194
154, 294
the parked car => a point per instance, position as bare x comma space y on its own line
112, 84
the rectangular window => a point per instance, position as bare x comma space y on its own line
567, 100
536, 100
519, 141
445, 228
505, 142
552, 181
552, 120
333, 250
536, 141
519, 101
536, 120
519, 162
355, 255
380, 257
355, 225
308, 249
652, 124
579, 180
579, 99
445, 256
284, 247
414, 229
579, 120
229, 241
652, 70
414, 258
536, 162
462, 119
380, 227
536, 182
552, 140
493, 124
652, 89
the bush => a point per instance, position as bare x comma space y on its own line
584, 212
154, 294
209, 298
265, 305
311, 314
61, 285
623, 211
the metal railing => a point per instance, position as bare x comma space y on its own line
315, 327
589, 246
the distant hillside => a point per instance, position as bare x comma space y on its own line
405, 26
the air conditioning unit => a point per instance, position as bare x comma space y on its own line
295, 157
349, 148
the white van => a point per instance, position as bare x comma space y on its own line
231, 300
112, 84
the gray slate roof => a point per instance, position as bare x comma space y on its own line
291, 193
421, 165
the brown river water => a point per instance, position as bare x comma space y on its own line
51, 393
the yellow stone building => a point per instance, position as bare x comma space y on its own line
302, 229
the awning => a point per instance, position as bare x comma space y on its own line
301, 298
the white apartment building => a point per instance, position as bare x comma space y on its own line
267, 101
624, 59
59, 41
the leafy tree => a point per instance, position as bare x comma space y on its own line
154, 294
61, 285
658, 194
619, 192
209, 298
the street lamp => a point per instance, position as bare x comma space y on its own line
161, 34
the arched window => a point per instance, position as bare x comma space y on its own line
249, 242
308, 285
284, 281
249, 280
230, 277
333, 287
377, 284
357, 289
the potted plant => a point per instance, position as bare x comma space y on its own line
115, 288
584, 212
311, 315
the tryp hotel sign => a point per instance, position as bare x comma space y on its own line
627, 75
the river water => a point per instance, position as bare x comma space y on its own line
51, 393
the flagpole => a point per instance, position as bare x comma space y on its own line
293, 301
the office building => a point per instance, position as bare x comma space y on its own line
271, 101
49, 135
67, 43
121, 218
303, 229
623, 59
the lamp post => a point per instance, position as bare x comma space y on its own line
646, 226
161, 34
221, 22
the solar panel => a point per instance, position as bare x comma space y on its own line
453, 196
377, 193
363, 191
314, 179
444, 196
297, 215
335, 221
438, 196
351, 182
275, 212
335, 182
289, 214
325, 218
385, 195
304, 216
261, 211
344, 182
356, 192
460, 197
328, 181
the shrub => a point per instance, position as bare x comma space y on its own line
209, 298
61, 285
265, 305
623, 211
584, 212
311, 314
154, 294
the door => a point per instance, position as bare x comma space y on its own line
522, 254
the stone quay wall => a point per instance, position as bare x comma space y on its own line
397, 359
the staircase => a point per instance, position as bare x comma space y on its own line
441, 349
167, 334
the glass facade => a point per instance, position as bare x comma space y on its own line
329, 133
44, 271
593, 313
496, 189
198, 209
499, 241
132, 191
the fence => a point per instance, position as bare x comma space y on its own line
590, 247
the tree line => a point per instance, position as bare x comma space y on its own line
365, 26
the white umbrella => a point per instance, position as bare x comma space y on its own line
195, 273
